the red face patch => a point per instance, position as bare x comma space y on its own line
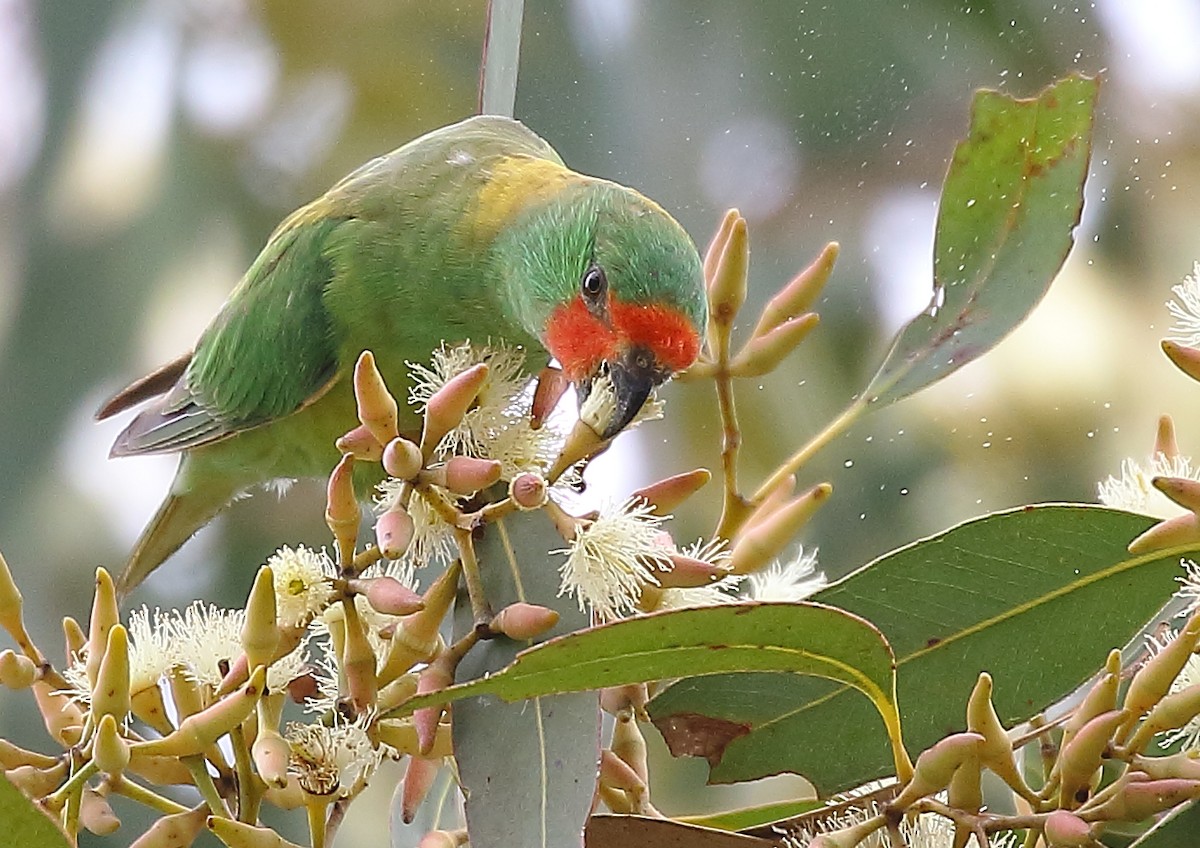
580, 341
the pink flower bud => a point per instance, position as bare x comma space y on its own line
1079, 759
402, 459
434, 678
377, 408
936, 766
528, 490
763, 353
1064, 829
524, 621
551, 385
1186, 359
388, 595
271, 754
394, 531
443, 839
800, 294
1140, 799
670, 492
687, 573
341, 507
466, 475
449, 404
361, 444
418, 778
763, 540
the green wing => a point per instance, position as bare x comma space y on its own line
269, 351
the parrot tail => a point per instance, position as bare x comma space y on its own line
177, 519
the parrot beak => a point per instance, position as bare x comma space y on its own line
632, 375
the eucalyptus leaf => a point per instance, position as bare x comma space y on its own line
1036, 596
1006, 220
24, 823
804, 639
640, 832
501, 57
528, 770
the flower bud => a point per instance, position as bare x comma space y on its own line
96, 814
109, 750
387, 595
763, 353
1175, 710
36, 782
419, 776
688, 573
361, 444
17, 671
1164, 438
1185, 764
996, 751
528, 490
765, 538
173, 831
727, 286
582, 442
425, 720
936, 766
110, 693
395, 692
260, 634
465, 475
1182, 490
449, 404
672, 491
1154, 678
1079, 759
104, 616
12, 756
358, 661
1140, 799
236, 834
416, 638
394, 532
400, 734
10, 608
1101, 698
524, 621
196, 732
618, 774
552, 384
1186, 359
800, 294
62, 717
629, 744
341, 508
271, 754
615, 699
1170, 533
712, 254
443, 839
377, 409
402, 459
74, 637
1064, 829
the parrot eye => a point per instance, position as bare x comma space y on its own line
593, 285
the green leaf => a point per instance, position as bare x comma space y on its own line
754, 817
1036, 596
639, 832
807, 639
1176, 829
24, 824
544, 754
1011, 201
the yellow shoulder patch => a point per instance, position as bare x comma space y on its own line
515, 182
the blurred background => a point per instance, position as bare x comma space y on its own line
148, 147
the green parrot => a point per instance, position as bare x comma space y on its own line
473, 231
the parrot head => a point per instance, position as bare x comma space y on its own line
613, 288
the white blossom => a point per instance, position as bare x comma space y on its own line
302, 585
611, 559
1133, 492
1186, 329
789, 581
337, 760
